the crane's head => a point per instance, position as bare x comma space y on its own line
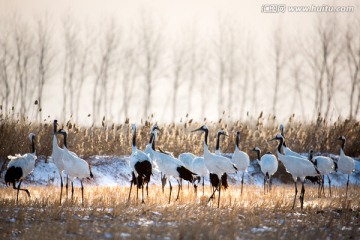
256, 149
341, 138
281, 129
203, 128
278, 137
155, 127
62, 131
222, 132
32, 137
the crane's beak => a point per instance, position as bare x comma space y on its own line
273, 139
157, 128
199, 129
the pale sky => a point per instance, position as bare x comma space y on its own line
177, 15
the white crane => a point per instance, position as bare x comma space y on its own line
75, 167
346, 164
214, 179
149, 151
57, 157
297, 167
325, 165
186, 159
20, 166
286, 149
215, 163
268, 164
141, 166
240, 159
170, 166
198, 167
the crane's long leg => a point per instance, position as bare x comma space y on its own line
137, 188
163, 182
302, 195
67, 184
242, 182
295, 195
72, 189
329, 183
61, 187
203, 184
147, 189
178, 193
142, 192
347, 184
219, 194
212, 195
323, 184
170, 191
82, 192
264, 184
131, 183
18, 189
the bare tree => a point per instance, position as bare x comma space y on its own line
71, 45
329, 36
352, 43
179, 61
196, 61
149, 62
44, 57
6, 60
128, 71
295, 68
279, 60
23, 55
221, 61
233, 62
103, 68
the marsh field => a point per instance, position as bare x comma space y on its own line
107, 214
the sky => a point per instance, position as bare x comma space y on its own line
176, 14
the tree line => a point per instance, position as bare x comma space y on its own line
113, 63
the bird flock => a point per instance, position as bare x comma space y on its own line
187, 167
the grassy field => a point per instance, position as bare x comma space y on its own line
115, 138
107, 214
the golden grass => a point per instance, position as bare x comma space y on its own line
115, 139
107, 213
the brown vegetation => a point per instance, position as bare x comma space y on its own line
107, 214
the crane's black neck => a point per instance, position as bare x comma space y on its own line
206, 136
284, 143
55, 127
151, 138
237, 141
153, 141
65, 141
282, 133
218, 141
281, 142
343, 144
134, 138
258, 153
310, 155
33, 144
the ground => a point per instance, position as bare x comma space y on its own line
107, 214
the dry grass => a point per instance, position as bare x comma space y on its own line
107, 214
115, 139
